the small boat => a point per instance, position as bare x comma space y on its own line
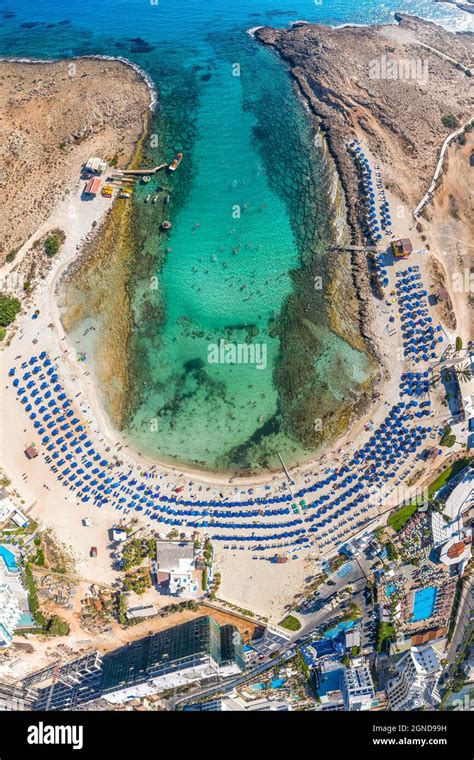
175, 162
147, 198
155, 198
124, 194
166, 199
166, 225
146, 178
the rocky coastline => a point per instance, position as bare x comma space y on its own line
332, 72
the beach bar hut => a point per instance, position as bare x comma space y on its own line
402, 248
30, 452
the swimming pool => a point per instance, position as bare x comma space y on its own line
333, 633
330, 681
345, 570
9, 559
277, 683
424, 603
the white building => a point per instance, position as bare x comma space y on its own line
236, 703
144, 611
20, 519
174, 568
357, 688
415, 684
450, 536
10, 614
352, 638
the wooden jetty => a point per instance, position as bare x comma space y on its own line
139, 172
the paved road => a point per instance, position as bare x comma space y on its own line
353, 574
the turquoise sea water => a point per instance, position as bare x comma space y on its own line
248, 206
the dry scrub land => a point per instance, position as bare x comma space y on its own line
45, 136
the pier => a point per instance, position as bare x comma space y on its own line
363, 248
140, 172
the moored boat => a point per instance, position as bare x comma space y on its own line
175, 162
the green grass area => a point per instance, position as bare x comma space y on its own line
290, 623
447, 474
398, 519
401, 516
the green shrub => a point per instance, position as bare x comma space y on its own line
9, 308
3, 332
51, 245
446, 434
458, 343
448, 441
450, 121
391, 551
57, 627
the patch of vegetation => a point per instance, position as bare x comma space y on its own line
458, 344
3, 332
121, 609
56, 627
449, 121
216, 582
447, 474
11, 256
39, 558
401, 516
9, 308
391, 551
138, 582
136, 550
353, 612
290, 623
449, 441
51, 246
33, 602
385, 632
53, 626
448, 438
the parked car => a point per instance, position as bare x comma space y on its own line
93, 551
